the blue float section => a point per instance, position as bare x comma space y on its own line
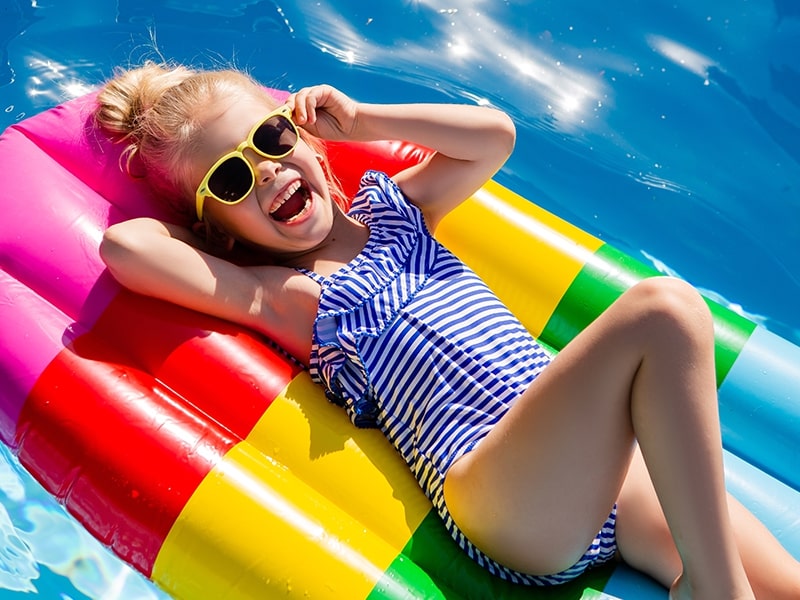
628, 583
760, 415
760, 406
772, 501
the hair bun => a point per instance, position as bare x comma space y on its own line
125, 100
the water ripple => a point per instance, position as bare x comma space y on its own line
38, 539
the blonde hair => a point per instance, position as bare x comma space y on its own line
157, 111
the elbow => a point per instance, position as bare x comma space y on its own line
116, 246
122, 247
112, 246
506, 134
500, 138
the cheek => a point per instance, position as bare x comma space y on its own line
310, 161
318, 180
230, 218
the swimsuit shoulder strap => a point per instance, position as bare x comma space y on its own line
312, 274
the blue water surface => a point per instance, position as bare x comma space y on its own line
669, 128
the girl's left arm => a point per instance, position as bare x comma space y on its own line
470, 142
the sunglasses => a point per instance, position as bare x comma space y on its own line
231, 179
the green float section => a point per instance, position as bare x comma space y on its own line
445, 565
604, 278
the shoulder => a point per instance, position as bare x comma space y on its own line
286, 309
379, 197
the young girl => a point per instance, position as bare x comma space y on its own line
539, 469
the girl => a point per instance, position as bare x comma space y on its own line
407, 339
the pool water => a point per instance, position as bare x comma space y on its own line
670, 129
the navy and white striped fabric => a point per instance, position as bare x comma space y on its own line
410, 340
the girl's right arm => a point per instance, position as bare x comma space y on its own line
470, 142
163, 261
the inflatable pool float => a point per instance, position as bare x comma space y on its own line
205, 457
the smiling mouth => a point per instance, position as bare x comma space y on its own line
295, 201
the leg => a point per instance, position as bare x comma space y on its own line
551, 469
645, 541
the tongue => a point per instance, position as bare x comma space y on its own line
291, 207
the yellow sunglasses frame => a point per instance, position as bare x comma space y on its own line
203, 190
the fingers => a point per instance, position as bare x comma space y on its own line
305, 103
323, 111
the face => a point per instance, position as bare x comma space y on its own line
289, 211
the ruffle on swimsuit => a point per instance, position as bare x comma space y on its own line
364, 297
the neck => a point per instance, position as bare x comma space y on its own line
343, 243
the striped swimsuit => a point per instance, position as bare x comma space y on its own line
408, 339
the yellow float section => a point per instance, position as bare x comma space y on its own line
528, 256
306, 507
355, 472
309, 506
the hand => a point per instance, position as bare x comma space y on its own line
325, 112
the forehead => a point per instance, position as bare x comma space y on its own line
235, 118
226, 125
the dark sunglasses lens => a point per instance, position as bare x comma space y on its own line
275, 137
231, 180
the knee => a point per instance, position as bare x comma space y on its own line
670, 305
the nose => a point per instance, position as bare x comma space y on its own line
266, 170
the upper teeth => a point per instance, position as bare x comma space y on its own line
286, 195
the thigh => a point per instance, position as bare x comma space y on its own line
538, 488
